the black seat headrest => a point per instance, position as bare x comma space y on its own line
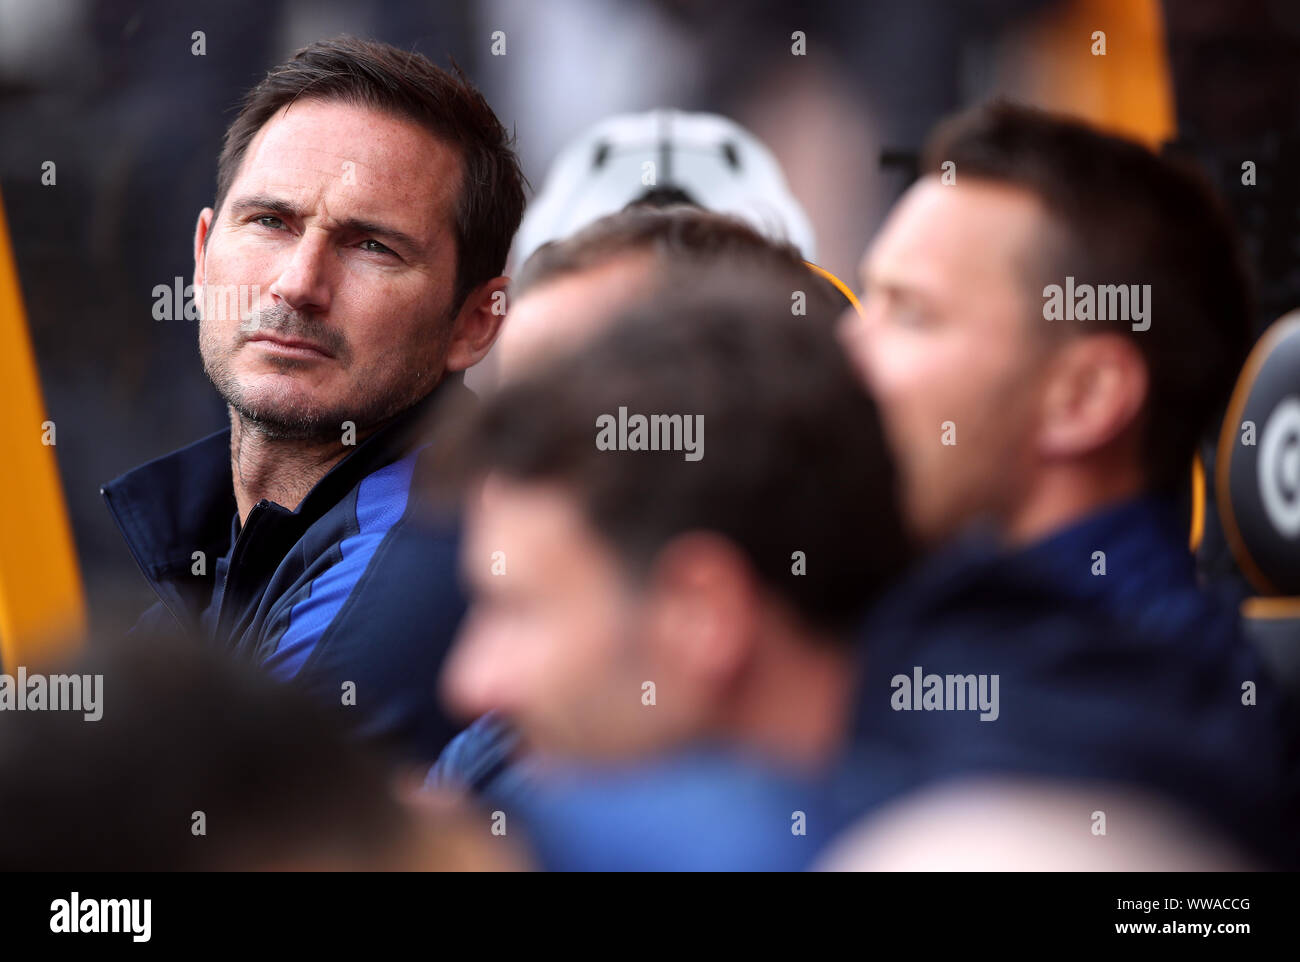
1258, 462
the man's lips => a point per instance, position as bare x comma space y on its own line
290, 346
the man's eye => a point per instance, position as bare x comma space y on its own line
270, 221
376, 247
910, 317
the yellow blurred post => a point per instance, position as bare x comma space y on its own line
42, 610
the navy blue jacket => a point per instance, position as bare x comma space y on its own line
1133, 677
706, 808
1136, 677
357, 585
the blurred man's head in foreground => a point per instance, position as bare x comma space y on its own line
197, 762
671, 530
1022, 824
1052, 316
570, 288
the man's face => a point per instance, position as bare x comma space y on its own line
948, 347
558, 314
338, 232
555, 638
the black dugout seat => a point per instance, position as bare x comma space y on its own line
1257, 492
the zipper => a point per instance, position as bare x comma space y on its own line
237, 550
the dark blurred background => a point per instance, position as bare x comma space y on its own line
112, 92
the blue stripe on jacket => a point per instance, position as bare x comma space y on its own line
381, 502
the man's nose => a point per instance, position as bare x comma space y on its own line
304, 284
855, 335
473, 680
851, 328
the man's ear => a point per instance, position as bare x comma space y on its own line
477, 324
200, 251
706, 601
1094, 394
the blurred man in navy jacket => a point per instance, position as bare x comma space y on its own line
1052, 318
349, 272
668, 626
1057, 633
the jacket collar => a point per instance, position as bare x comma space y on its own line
183, 502
1144, 546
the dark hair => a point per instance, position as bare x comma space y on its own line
795, 458
678, 235
186, 729
1126, 216
406, 84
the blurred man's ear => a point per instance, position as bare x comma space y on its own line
477, 324
705, 609
1094, 394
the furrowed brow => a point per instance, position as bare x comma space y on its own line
265, 204
399, 238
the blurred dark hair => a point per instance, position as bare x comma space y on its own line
184, 729
676, 235
1126, 216
794, 454
407, 85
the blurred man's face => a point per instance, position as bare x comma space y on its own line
555, 638
948, 347
558, 314
338, 232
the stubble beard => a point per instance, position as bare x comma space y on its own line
280, 416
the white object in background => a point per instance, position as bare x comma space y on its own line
716, 162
